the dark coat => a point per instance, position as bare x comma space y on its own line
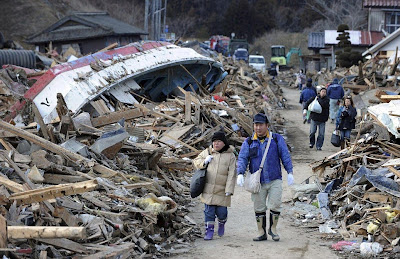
324, 115
346, 118
307, 93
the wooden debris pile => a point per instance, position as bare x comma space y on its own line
362, 183
113, 179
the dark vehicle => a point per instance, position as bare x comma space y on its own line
241, 54
235, 44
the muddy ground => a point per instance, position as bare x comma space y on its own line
296, 242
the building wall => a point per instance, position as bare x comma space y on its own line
87, 46
376, 18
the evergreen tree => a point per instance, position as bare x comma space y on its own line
345, 57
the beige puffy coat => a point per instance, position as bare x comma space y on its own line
220, 177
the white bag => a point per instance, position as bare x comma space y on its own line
315, 106
252, 181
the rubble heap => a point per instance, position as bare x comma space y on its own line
113, 180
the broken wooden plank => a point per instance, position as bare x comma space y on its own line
54, 148
117, 116
3, 232
137, 185
52, 192
100, 106
389, 97
114, 252
38, 116
188, 107
60, 178
70, 219
11, 185
65, 244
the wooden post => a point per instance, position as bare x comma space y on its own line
197, 111
39, 118
21, 232
188, 107
3, 232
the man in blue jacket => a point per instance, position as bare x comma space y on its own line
308, 92
335, 94
251, 154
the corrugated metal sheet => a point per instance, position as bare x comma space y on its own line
23, 58
316, 40
370, 38
376, 18
381, 3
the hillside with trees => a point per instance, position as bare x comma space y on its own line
193, 18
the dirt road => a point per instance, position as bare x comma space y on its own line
241, 226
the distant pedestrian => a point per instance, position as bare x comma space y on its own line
308, 92
318, 119
220, 182
335, 94
346, 120
300, 79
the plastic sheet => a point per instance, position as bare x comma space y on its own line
377, 178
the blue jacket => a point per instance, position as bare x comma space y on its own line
307, 94
253, 154
335, 91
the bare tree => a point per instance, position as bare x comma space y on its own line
182, 25
338, 12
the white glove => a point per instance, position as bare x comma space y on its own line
290, 179
228, 194
208, 159
304, 112
240, 180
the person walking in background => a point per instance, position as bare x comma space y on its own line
300, 79
220, 182
318, 120
308, 92
335, 94
270, 194
346, 120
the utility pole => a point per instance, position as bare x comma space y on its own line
165, 16
157, 10
146, 19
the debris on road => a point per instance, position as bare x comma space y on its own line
104, 144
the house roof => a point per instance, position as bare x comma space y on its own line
85, 25
381, 3
358, 38
316, 40
383, 42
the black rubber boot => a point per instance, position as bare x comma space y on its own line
273, 222
261, 219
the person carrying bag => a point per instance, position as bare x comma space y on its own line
219, 182
252, 182
263, 153
198, 181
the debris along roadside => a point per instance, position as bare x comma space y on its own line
353, 196
111, 172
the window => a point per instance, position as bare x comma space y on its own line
392, 21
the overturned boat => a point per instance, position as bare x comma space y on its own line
152, 69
